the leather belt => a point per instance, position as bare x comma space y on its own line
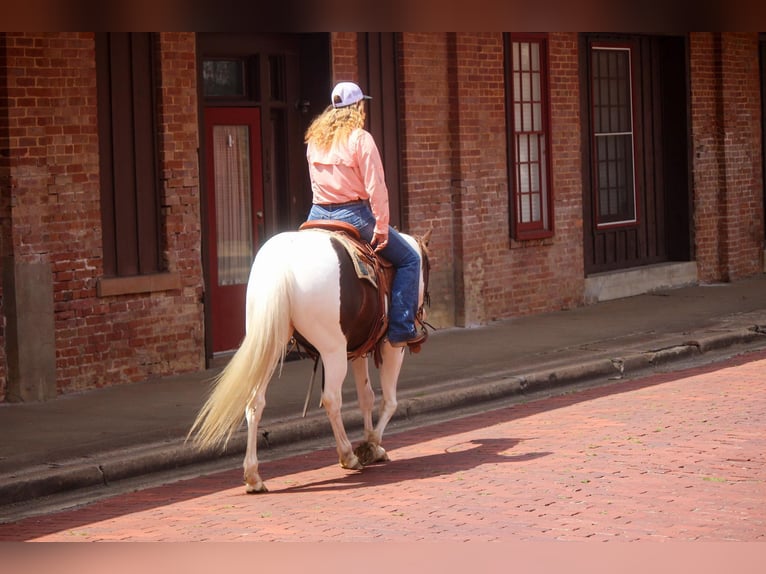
346, 204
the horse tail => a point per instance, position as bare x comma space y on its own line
263, 348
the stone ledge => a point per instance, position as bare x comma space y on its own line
626, 283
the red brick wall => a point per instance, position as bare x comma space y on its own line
742, 121
344, 57
54, 214
56, 219
564, 260
726, 143
456, 179
427, 167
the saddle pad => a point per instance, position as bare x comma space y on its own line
364, 270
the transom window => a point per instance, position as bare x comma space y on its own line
529, 136
613, 136
223, 78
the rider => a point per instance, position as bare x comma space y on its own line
348, 183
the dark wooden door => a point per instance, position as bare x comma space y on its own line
635, 164
378, 72
235, 215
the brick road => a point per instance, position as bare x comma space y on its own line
670, 457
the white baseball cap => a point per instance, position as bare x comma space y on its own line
345, 94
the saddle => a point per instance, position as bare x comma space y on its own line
366, 322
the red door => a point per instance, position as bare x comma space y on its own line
235, 208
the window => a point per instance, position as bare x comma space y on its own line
130, 190
223, 78
528, 136
613, 135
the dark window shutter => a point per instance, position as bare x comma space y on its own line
130, 189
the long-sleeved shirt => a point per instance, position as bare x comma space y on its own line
348, 172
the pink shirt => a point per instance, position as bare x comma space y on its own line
348, 172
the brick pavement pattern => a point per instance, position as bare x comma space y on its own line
676, 456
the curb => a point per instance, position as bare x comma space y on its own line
113, 466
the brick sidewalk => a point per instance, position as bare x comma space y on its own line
676, 456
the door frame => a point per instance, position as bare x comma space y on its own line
225, 300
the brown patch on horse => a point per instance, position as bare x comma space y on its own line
359, 302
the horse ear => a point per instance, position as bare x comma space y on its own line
427, 237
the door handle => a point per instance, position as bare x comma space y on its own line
260, 229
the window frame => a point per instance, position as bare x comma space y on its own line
543, 227
628, 47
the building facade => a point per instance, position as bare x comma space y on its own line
140, 172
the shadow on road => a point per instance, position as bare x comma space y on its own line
461, 457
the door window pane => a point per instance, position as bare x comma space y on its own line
233, 208
613, 135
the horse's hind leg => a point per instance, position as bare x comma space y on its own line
390, 368
336, 366
364, 392
369, 451
253, 482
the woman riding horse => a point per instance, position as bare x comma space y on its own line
295, 287
348, 184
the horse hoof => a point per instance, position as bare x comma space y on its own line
369, 453
354, 464
256, 488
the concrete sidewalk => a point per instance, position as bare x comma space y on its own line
98, 437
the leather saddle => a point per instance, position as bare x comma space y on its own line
365, 286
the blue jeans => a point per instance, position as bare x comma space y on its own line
404, 291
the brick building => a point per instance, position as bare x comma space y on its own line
555, 169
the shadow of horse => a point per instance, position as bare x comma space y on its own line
457, 458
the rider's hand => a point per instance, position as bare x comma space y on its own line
379, 241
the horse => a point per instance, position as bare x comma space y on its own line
294, 289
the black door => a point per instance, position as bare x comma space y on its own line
635, 157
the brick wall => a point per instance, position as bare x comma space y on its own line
55, 210
564, 260
427, 166
726, 143
456, 179
344, 57
742, 152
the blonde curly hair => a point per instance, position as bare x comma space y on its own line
335, 125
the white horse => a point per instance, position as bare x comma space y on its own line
295, 287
